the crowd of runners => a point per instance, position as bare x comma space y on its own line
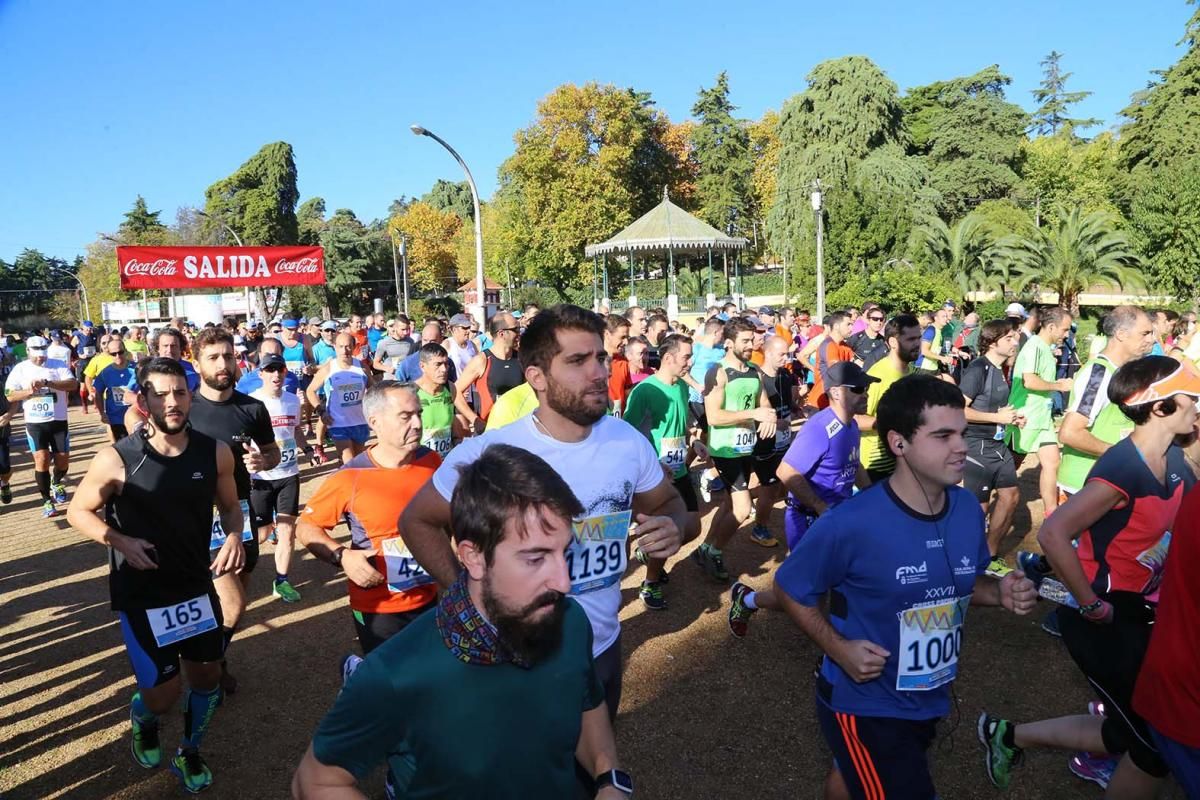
496, 485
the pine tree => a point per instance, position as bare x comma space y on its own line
722, 150
1055, 101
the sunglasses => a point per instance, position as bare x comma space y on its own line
276, 330
510, 330
875, 319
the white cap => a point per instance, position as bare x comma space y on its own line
1016, 310
36, 343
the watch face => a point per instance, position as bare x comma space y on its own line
622, 781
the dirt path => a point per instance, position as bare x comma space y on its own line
703, 715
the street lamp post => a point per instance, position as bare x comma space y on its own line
85, 304
817, 200
236, 238
480, 295
145, 300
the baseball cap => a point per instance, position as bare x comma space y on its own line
767, 310
252, 325
460, 321
1181, 381
757, 323
87, 323
329, 325
949, 304
847, 373
271, 361
36, 343
1016, 310
291, 323
313, 321
239, 343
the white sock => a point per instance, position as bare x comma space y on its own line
748, 598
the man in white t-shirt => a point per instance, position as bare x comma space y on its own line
275, 494
613, 470
461, 349
40, 386
58, 351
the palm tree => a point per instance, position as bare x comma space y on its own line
1080, 251
963, 251
689, 283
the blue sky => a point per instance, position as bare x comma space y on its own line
105, 101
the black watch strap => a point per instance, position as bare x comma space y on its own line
618, 779
337, 556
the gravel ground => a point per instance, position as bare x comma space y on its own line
703, 715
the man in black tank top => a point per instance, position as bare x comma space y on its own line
157, 489
491, 373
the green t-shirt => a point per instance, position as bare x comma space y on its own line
437, 420
742, 390
1036, 357
660, 412
136, 347
935, 346
872, 453
462, 729
1105, 420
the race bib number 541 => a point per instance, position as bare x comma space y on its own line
597, 556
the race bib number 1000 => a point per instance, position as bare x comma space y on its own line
930, 641
171, 624
597, 556
218, 533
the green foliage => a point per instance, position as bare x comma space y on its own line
963, 251
1005, 218
310, 220
1065, 172
259, 199
452, 197
895, 288
1165, 221
140, 222
1054, 101
722, 151
1164, 118
992, 309
1083, 250
443, 306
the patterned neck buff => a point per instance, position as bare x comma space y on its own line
467, 635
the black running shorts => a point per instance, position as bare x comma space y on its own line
687, 491
990, 465
268, 498
880, 756
154, 665
52, 436
735, 472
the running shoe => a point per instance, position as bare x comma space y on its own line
1034, 565
272, 537
1050, 624
762, 535
998, 567
144, 743
285, 592
193, 773
58, 492
705, 491
1096, 708
5, 493
1001, 758
652, 595
48, 509
712, 564
739, 612
1093, 767
349, 664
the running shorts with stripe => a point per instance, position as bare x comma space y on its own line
880, 757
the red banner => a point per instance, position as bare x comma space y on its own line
219, 267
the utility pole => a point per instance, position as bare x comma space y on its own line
817, 203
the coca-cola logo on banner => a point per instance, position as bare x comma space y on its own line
157, 268
303, 266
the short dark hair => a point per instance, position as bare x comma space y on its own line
629, 312
657, 318
714, 325
898, 323
1054, 315
671, 343
504, 483
539, 343
1133, 377
614, 323
992, 332
212, 336
159, 365
430, 351
1120, 318
169, 332
902, 407
735, 326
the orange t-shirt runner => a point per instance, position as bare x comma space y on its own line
829, 353
620, 382
369, 498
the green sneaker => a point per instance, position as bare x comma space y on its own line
285, 592
194, 775
998, 567
652, 595
739, 612
711, 563
144, 744
1000, 757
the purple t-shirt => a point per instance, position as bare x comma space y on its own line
825, 452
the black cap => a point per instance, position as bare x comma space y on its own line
269, 360
847, 373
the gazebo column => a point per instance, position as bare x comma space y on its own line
710, 299
632, 289
672, 294
607, 301
595, 299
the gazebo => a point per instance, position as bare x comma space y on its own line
666, 230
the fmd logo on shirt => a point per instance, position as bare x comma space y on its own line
910, 574
197, 476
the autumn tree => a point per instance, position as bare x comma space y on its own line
431, 246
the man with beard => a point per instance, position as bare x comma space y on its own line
903, 335
244, 424
491, 373
493, 694
157, 488
612, 468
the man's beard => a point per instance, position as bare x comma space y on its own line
160, 422
219, 381
574, 407
528, 639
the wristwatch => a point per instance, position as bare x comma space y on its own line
619, 780
337, 556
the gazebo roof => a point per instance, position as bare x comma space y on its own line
667, 227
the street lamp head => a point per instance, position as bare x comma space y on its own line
816, 200
418, 130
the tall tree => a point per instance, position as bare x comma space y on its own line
722, 150
310, 220
140, 221
764, 155
431, 235
1061, 171
259, 199
1054, 101
1164, 118
452, 197
1165, 220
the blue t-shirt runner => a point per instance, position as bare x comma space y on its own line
113, 383
825, 452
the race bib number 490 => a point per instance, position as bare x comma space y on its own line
597, 556
39, 408
403, 572
171, 624
930, 641
218, 533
